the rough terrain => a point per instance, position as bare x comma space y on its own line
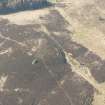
54, 55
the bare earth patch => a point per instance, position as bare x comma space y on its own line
54, 56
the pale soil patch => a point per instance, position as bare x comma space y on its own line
88, 21
92, 38
3, 80
28, 17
